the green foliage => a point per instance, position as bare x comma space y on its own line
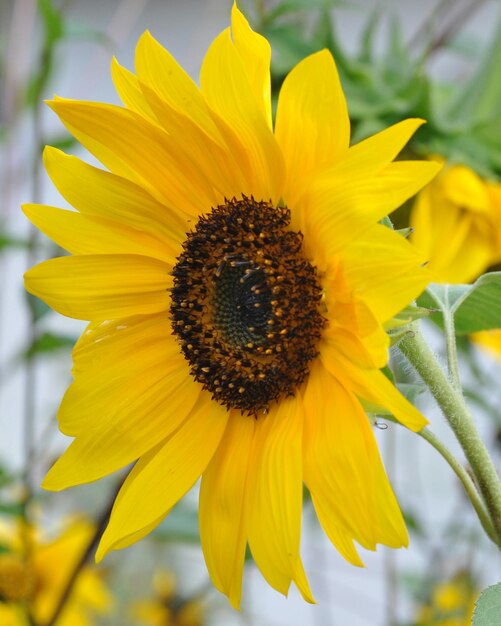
6, 241
474, 307
48, 343
488, 607
384, 87
53, 31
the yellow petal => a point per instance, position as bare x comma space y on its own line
469, 249
371, 155
353, 347
129, 145
112, 342
255, 52
276, 495
129, 90
99, 287
374, 386
384, 270
80, 234
227, 88
161, 477
344, 472
338, 211
312, 127
133, 537
137, 413
158, 69
223, 531
465, 189
95, 192
214, 158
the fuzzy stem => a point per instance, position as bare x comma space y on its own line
465, 478
453, 406
450, 341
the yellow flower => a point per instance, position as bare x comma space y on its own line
236, 280
451, 603
490, 340
166, 608
457, 225
39, 578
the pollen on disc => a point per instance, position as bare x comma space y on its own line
245, 305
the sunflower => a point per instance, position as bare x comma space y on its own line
456, 221
236, 279
37, 581
490, 341
451, 603
166, 607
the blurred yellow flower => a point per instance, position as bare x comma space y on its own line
38, 578
237, 281
166, 608
451, 603
457, 224
490, 340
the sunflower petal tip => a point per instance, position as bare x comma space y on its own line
49, 483
101, 552
234, 602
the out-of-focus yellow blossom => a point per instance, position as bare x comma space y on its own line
490, 340
451, 603
457, 223
34, 573
166, 608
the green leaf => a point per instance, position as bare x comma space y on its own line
63, 141
6, 241
488, 607
480, 97
52, 21
445, 296
289, 47
475, 307
479, 308
367, 40
49, 342
13, 509
292, 6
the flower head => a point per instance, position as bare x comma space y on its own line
37, 579
166, 608
451, 603
236, 281
456, 221
490, 341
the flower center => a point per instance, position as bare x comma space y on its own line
245, 305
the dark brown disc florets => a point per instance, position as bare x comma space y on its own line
245, 305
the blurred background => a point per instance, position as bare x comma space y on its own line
397, 59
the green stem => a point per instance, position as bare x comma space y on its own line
464, 477
450, 341
452, 403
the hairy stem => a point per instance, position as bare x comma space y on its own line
465, 479
450, 341
454, 408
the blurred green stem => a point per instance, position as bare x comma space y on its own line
454, 408
465, 479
